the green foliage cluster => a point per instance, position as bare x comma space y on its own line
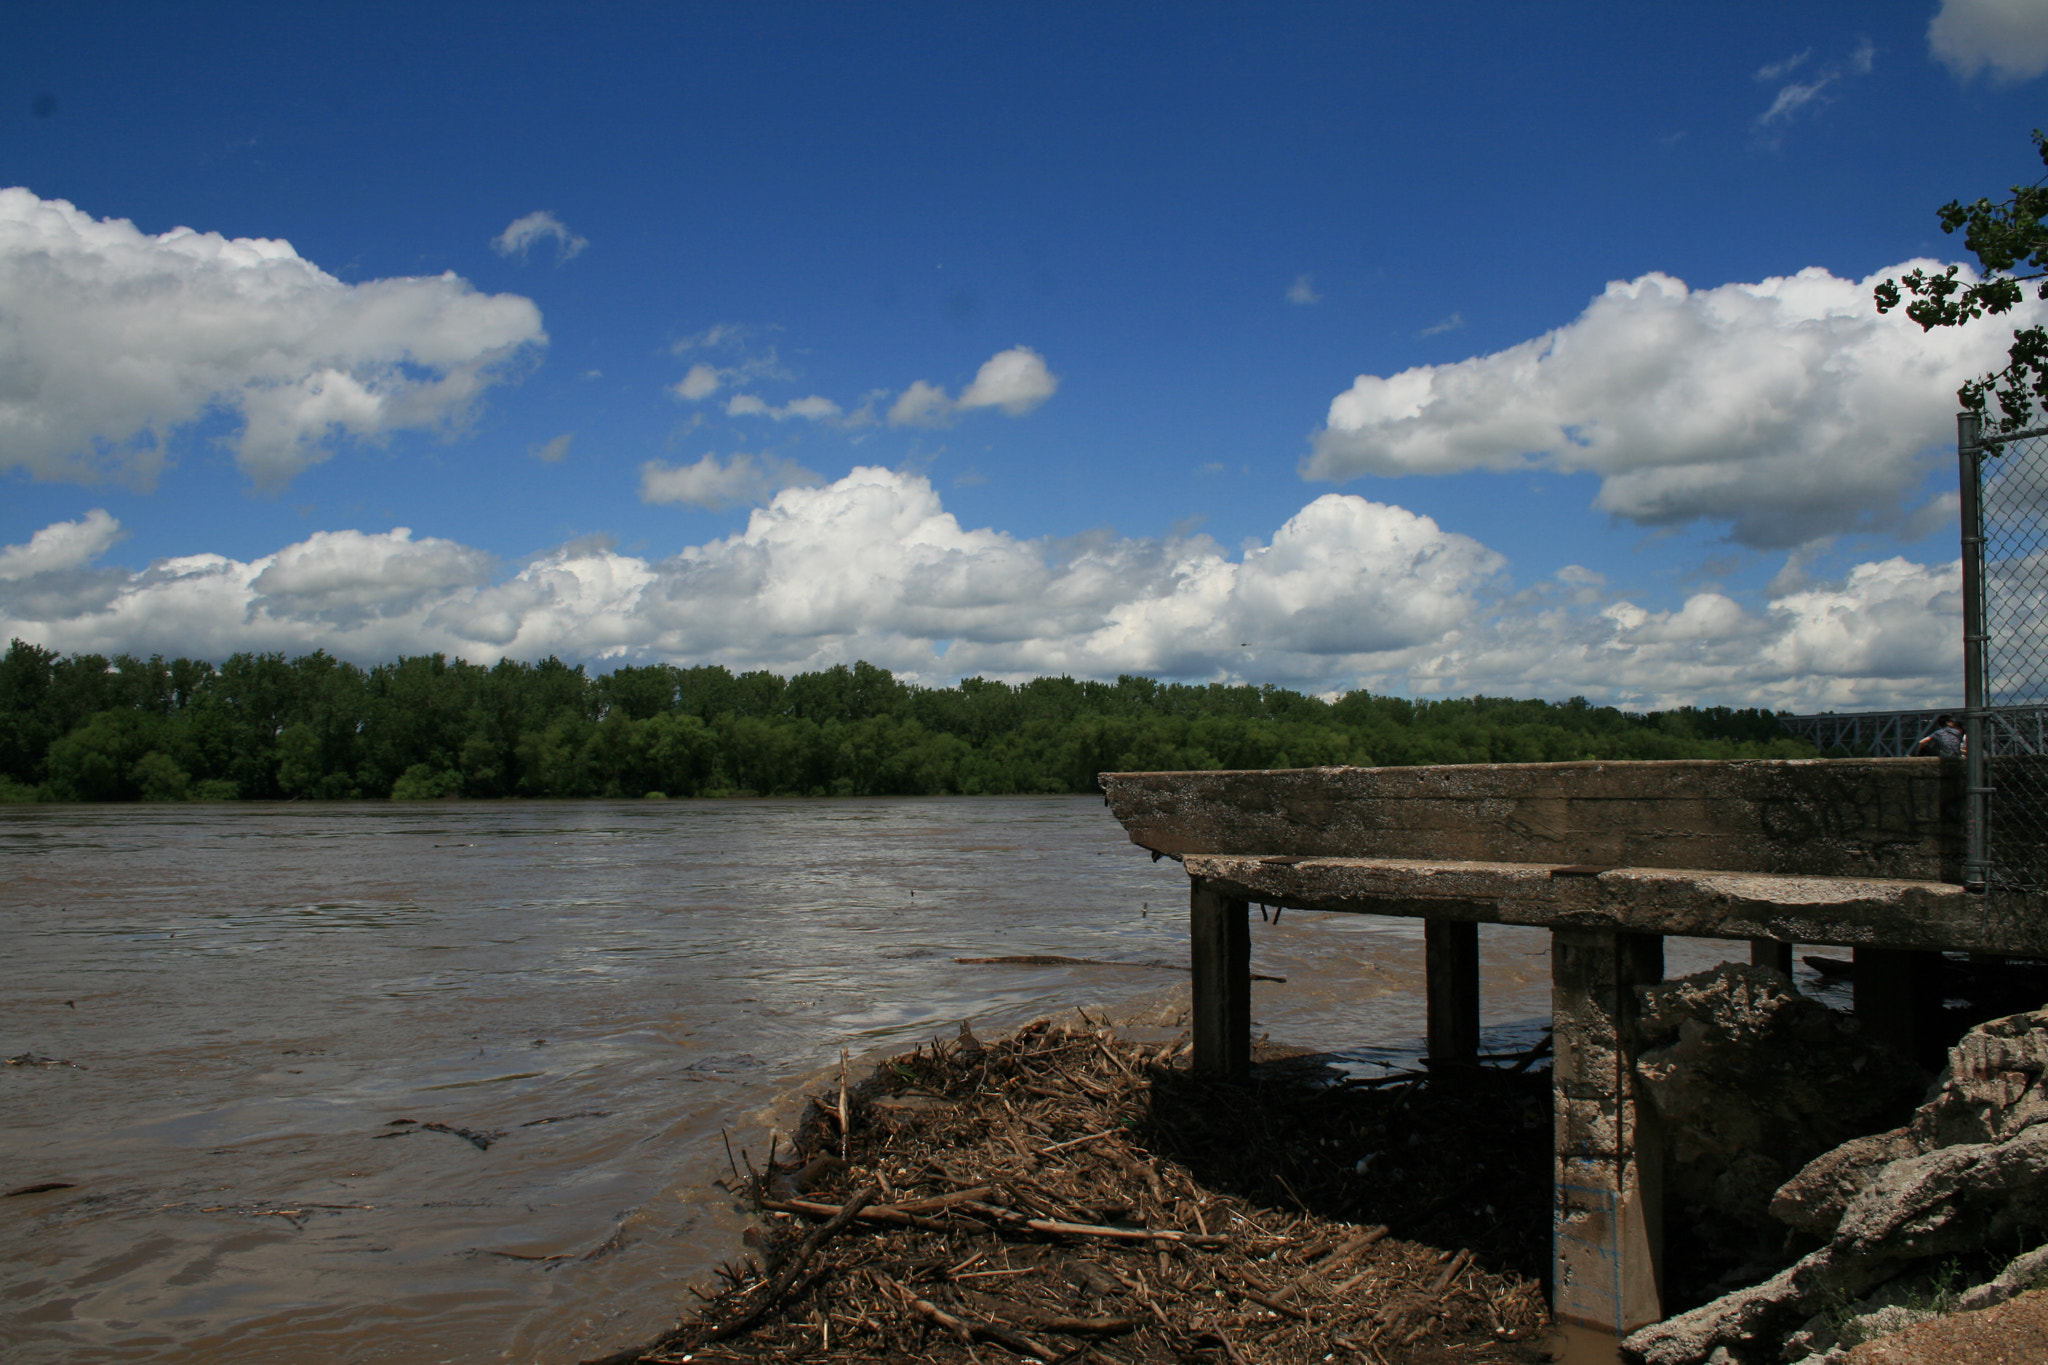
2007, 237
262, 727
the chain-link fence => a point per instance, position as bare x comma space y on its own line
2005, 584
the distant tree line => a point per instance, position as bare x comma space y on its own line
263, 727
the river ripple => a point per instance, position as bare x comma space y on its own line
255, 996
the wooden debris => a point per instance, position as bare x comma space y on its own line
780, 1285
1063, 1195
845, 1114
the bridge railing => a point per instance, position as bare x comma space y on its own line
2007, 730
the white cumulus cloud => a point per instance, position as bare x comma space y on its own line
1015, 380
811, 409
1788, 409
521, 234
873, 566
921, 405
2008, 36
700, 383
716, 485
1349, 592
1887, 636
111, 340
60, 547
870, 566
344, 575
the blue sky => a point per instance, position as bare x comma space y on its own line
1513, 349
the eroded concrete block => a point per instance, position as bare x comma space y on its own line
1886, 817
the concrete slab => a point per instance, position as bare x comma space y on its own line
1853, 911
1885, 817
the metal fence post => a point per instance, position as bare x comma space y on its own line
1977, 802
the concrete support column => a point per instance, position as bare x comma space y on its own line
1451, 948
1607, 1229
1220, 955
1769, 952
1898, 999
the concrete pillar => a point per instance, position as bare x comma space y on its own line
1451, 949
1607, 1228
1768, 952
1220, 954
1898, 999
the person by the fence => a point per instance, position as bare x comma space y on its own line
1945, 741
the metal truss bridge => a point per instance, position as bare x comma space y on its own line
2007, 730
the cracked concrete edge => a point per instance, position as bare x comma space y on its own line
1850, 911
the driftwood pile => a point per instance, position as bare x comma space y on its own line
1067, 1196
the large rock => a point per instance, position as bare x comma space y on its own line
1753, 1080
1991, 1090
1948, 1200
1970, 1169
1812, 1201
2020, 1275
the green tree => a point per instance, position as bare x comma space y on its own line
104, 759
298, 759
553, 761
158, 777
637, 693
679, 753
28, 711
2009, 240
86, 727
421, 783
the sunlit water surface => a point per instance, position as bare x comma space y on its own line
252, 997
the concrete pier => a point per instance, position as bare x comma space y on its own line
1451, 952
1610, 857
1607, 1238
1219, 950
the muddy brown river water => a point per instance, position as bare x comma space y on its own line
222, 1016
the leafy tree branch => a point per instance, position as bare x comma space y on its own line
2010, 242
